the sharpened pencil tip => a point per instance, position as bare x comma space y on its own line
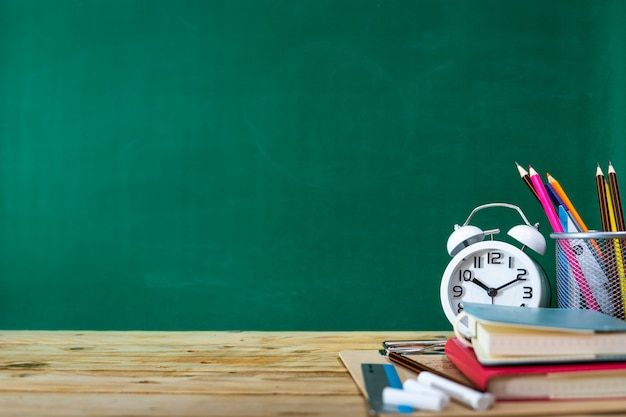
599, 170
521, 170
611, 169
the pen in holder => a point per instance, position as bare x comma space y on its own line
590, 271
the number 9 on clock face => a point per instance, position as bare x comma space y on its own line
492, 272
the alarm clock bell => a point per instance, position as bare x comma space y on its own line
466, 234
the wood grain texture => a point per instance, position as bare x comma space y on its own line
65, 373
234, 374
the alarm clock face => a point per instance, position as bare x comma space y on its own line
492, 272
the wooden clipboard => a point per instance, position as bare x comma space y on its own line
352, 360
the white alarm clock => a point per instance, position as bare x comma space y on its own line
492, 271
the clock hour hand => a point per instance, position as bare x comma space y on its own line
480, 284
491, 292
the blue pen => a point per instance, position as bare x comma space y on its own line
565, 282
567, 220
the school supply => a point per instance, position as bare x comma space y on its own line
568, 251
407, 400
535, 382
377, 377
567, 202
460, 391
475, 399
590, 264
387, 393
602, 270
617, 200
353, 359
419, 367
603, 203
540, 189
431, 346
526, 178
503, 334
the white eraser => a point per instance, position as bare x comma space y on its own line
396, 396
470, 397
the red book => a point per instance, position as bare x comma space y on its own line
543, 381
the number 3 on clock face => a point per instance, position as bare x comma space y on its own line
493, 272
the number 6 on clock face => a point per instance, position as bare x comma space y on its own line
492, 272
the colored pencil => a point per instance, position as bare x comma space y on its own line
602, 200
617, 249
616, 199
556, 186
566, 246
558, 202
553, 218
609, 206
568, 204
605, 220
526, 178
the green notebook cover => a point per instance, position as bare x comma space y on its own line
576, 320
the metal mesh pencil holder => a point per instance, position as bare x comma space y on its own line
590, 271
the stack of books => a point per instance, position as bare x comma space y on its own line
542, 353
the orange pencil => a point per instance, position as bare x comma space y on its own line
570, 207
559, 190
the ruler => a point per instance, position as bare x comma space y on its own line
378, 376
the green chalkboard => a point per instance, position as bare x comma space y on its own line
283, 164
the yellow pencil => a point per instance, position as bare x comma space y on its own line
619, 260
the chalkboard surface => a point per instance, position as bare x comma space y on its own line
283, 164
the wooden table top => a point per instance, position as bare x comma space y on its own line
67, 373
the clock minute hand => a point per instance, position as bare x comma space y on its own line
509, 283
